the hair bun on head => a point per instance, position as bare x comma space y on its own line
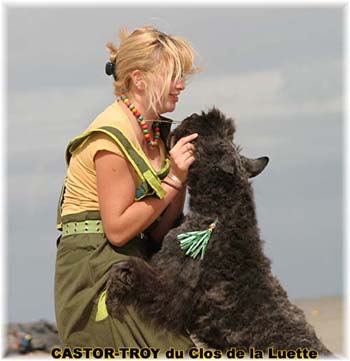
110, 68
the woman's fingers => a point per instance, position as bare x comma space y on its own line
183, 147
189, 161
187, 148
183, 141
182, 156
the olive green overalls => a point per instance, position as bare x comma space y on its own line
84, 257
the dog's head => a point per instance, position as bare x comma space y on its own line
218, 160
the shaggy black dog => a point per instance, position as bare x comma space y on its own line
230, 298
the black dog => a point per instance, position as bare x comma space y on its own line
229, 298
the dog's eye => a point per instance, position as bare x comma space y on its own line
216, 169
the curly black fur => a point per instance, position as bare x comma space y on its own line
230, 298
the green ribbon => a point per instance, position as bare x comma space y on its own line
195, 243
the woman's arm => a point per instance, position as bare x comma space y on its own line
173, 211
122, 217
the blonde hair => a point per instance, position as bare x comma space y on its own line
156, 55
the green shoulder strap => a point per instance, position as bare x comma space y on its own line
141, 164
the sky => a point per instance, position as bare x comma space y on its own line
279, 72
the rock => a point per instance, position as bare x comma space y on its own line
32, 336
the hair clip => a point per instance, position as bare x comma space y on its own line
110, 69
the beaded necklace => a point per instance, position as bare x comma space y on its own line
156, 125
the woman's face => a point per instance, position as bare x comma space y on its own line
168, 101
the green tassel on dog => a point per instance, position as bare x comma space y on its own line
195, 243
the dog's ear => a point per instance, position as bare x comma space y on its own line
254, 167
225, 165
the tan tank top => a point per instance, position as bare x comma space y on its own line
81, 189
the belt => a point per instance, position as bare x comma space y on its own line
87, 226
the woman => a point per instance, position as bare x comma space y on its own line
122, 191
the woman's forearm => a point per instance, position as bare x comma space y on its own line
142, 214
170, 215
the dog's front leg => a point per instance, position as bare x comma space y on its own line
160, 296
131, 282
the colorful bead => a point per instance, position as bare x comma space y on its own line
144, 126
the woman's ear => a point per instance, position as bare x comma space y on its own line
137, 79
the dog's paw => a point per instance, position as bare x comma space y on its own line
114, 307
121, 280
119, 285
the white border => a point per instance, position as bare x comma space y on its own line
182, 3
3, 168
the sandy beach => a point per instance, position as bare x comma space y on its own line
327, 316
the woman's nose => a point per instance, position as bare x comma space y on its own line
180, 84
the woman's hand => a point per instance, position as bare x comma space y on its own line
182, 156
